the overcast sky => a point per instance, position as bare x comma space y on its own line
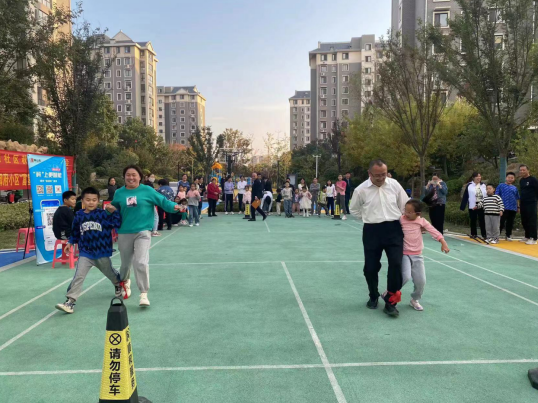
246, 57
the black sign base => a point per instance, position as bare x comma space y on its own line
533, 377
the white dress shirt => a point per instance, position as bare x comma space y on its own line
241, 187
374, 205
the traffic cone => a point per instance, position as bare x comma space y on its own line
247, 211
336, 213
533, 377
118, 379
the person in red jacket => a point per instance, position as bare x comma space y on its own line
213, 192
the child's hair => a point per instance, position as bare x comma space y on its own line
163, 182
417, 206
490, 185
247, 187
278, 190
176, 199
183, 201
305, 189
89, 191
180, 187
324, 188
67, 195
511, 173
193, 184
297, 190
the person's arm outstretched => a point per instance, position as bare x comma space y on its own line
435, 234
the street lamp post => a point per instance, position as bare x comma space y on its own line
316, 157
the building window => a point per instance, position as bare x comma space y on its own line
193, 119
294, 109
181, 119
108, 85
345, 67
182, 97
333, 102
182, 111
181, 127
193, 127
193, 104
334, 91
174, 120
367, 94
127, 60
323, 58
118, 108
128, 108
322, 114
345, 79
182, 104
345, 112
345, 56
118, 96
294, 102
107, 74
323, 125
323, 102
368, 81
109, 95
295, 117
128, 85
333, 114
333, 57
323, 90
118, 73
345, 90
333, 68
118, 61
192, 97
173, 111
323, 80
368, 70
323, 69
107, 62
368, 58
173, 105
334, 80
345, 101
443, 96
128, 96
441, 19
118, 85
107, 51
193, 112
499, 42
127, 49
160, 101
128, 73
120, 120
368, 46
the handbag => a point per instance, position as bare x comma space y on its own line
428, 199
255, 204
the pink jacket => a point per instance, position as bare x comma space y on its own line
412, 230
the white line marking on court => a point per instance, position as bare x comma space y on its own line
486, 282
12, 265
268, 261
275, 367
14, 339
334, 383
268, 230
352, 226
459, 237
33, 299
488, 270
17, 337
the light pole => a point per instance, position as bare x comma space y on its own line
316, 157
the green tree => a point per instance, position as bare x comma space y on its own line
409, 94
492, 61
336, 138
235, 139
204, 149
303, 162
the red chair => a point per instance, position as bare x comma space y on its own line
63, 259
114, 236
31, 241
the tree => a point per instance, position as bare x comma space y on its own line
204, 149
492, 62
236, 139
336, 138
278, 157
303, 162
409, 94
69, 68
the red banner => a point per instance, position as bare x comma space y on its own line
14, 170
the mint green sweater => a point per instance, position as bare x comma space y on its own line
137, 208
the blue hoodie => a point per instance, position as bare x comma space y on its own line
93, 232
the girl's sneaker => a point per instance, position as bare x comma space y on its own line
416, 305
144, 301
126, 293
531, 241
509, 239
232, 213
197, 224
67, 306
344, 217
190, 225
494, 241
226, 213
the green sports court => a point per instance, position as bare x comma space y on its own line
275, 311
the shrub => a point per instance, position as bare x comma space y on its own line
14, 216
455, 186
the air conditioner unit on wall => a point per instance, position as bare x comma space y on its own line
323, 96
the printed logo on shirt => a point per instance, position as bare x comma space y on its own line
90, 226
131, 201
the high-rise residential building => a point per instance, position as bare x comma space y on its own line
334, 66
299, 119
180, 110
130, 79
41, 9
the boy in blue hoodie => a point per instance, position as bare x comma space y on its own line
92, 231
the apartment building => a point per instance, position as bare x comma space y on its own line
130, 78
41, 9
299, 119
333, 68
180, 110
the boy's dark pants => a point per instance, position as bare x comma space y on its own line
168, 219
508, 220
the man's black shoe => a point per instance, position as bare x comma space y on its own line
391, 310
372, 303
264, 217
252, 219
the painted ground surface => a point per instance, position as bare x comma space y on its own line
275, 312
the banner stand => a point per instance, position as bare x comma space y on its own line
31, 212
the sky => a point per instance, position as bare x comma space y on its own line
246, 57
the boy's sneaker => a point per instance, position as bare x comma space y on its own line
197, 224
494, 241
391, 310
190, 225
344, 218
531, 241
416, 305
144, 301
487, 240
175, 225
524, 240
118, 290
126, 293
67, 306
509, 239
232, 213
372, 303
226, 213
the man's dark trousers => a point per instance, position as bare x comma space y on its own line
528, 219
253, 211
348, 194
376, 238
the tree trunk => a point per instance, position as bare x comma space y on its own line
502, 169
422, 177
445, 167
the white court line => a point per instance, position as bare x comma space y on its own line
268, 230
488, 270
334, 383
17, 337
33, 299
486, 282
276, 367
352, 226
268, 261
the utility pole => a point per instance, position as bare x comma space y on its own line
316, 157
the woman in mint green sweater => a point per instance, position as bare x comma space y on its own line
136, 203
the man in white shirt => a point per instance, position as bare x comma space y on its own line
379, 203
241, 192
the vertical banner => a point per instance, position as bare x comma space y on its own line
48, 180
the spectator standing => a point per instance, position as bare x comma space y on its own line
213, 192
62, 221
314, 191
166, 191
185, 183
241, 193
528, 186
112, 187
473, 198
349, 190
510, 197
201, 189
437, 206
301, 185
341, 195
287, 196
493, 211
331, 193
229, 195
150, 181
193, 196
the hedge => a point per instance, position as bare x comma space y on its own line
14, 216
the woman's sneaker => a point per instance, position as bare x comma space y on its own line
67, 306
416, 305
524, 240
509, 239
144, 301
531, 241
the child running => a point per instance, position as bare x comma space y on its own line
413, 261
493, 211
306, 201
92, 231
